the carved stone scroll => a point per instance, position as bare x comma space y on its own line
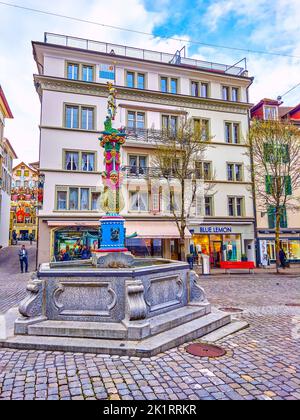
32, 305
136, 308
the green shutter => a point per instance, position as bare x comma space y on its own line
288, 185
285, 153
269, 184
283, 217
271, 217
268, 152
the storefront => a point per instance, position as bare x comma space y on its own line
159, 239
289, 242
224, 243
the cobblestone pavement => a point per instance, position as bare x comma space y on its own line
262, 362
12, 282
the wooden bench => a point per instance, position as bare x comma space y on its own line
237, 265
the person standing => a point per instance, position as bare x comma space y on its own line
23, 257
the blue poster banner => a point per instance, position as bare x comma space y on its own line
107, 72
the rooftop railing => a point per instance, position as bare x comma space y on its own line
142, 54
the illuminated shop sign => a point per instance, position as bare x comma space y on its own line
215, 229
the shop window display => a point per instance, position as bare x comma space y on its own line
291, 247
74, 245
145, 247
232, 248
218, 247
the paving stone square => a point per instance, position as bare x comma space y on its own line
262, 362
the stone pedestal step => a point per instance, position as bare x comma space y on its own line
117, 331
166, 321
144, 348
77, 329
223, 332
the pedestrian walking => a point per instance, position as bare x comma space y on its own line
15, 238
282, 257
31, 238
23, 257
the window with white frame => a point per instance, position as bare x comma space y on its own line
236, 206
170, 123
270, 112
135, 80
79, 161
232, 132
136, 119
169, 85
80, 71
203, 170
79, 117
202, 128
77, 199
208, 206
230, 93
138, 201
138, 164
200, 89
235, 172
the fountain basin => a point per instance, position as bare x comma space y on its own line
142, 310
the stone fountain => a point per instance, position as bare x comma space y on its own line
115, 303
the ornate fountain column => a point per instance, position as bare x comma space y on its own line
112, 233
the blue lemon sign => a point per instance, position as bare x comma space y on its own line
215, 229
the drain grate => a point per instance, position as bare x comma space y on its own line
232, 310
205, 350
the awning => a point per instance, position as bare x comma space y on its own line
144, 229
73, 224
155, 229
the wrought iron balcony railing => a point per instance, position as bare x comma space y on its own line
143, 172
179, 58
148, 135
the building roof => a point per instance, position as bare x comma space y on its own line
35, 165
114, 51
266, 101
295, 109
7, 143
284, 110
4, 105
28, 166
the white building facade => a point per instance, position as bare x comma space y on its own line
7, 154
154, 90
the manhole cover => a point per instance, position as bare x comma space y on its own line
205, 350
293, 305
233, 310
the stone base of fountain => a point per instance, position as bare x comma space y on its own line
103, 259
139, 311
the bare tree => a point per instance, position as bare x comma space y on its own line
275, 148
174, 159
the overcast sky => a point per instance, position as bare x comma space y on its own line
250, 24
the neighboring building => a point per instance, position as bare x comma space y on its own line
153, 91
7, 154
24, 202
290, 222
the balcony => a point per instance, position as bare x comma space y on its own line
147, 55
148, 135
141, 172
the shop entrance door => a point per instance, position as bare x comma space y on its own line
217, 252
174, 250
